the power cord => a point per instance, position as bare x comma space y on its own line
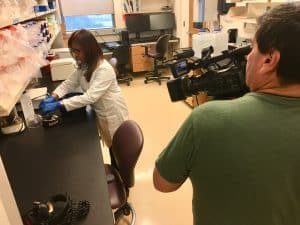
76, 212
47, 94
16, 119
59, 210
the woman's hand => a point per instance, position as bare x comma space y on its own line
52, 98
50, 106
46, 100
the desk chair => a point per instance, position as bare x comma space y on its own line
157, 52
126, 147
122, 55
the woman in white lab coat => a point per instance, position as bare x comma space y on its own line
97, 79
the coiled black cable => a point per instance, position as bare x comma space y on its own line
76, 212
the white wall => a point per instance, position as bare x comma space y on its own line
3, 214
120, 23
9, 213
181, 10
211, 12
152, 5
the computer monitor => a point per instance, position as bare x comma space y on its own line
136, 23
162, 21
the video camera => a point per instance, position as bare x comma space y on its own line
224, 76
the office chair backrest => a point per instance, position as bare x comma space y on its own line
162, 45
127, 145
122, 54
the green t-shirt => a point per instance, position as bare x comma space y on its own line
243, 159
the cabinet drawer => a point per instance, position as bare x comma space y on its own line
138, 67
140, 62
141, 59
137, 50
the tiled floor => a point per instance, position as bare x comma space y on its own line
159, 118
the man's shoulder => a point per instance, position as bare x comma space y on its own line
231, 105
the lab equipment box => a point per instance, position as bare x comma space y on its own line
61, 69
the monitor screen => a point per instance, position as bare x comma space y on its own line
137, 23
180, 68
162, 21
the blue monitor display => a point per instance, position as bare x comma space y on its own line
162, 21
137, 23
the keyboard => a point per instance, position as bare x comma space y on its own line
148, 39
112, 44
143, 40
105, 50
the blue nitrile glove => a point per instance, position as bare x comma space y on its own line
51, 106
47, 100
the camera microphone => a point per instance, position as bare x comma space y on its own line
243, 51
238, 52
184, 53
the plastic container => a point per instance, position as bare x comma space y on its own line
61, 69
220, 42
218, 39
200, 41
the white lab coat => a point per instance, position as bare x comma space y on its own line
102, 93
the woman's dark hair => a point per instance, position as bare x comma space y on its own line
279, 29
90, 47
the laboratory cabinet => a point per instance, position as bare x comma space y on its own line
140, 61
27, 30
243, 15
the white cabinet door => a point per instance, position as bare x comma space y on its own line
181, 10
9, 213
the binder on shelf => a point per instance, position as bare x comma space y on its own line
130, 3
125, 6
130, 6
137, 5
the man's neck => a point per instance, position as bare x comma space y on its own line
292, 90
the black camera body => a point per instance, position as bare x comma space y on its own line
225, 76
50, 213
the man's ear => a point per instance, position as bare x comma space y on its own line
271, 61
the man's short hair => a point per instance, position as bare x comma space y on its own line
279, 29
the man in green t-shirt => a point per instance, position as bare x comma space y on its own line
243, 155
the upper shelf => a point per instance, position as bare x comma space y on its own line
249, 1
25, 18
284, 1
16, 89
239, 2
249, 20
